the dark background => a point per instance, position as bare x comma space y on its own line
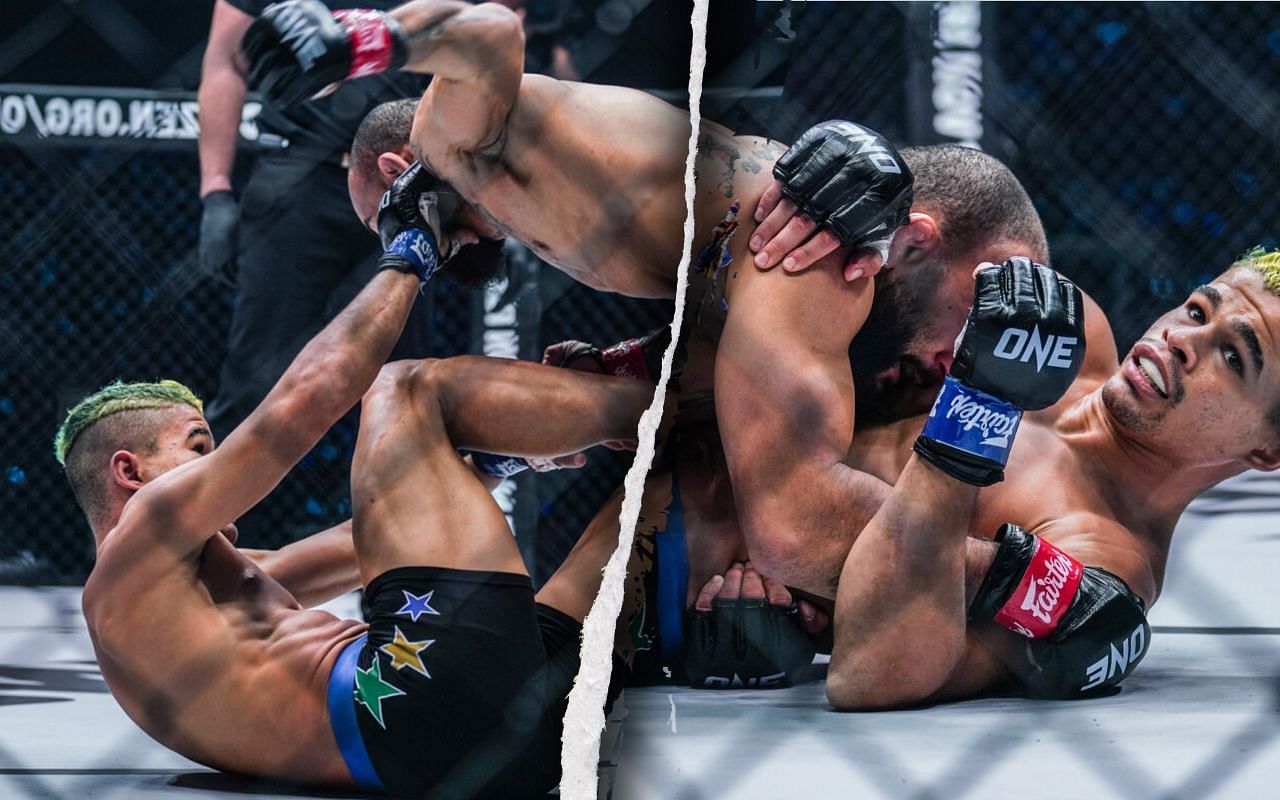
98, 277
1148, 136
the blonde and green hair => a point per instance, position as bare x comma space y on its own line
114, 399
1266, 263
122, 416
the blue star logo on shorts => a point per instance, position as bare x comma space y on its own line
415, 605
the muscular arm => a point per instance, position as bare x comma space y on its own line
221, 96
315, 569
476, 55
784, 398
900, 612
326, 379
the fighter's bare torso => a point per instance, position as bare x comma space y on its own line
213, 658
1055, 485
590, 177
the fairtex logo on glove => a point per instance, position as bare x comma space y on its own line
1044, 593
996, 427
418, 247
1017, 345
974, 421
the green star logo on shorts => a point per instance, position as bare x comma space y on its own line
371, 690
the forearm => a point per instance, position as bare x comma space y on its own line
531, 410
339, 364
456, 40
900, 626
221, 99
221, 96
785, 437
316, 569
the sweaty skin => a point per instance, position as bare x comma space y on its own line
590, 177
1104, 474
784, 391
199, 642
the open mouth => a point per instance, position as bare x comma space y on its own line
1151, 372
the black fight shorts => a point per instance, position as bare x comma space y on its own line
459, 689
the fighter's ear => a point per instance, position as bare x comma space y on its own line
920, 235
126, 470
1265, 459
390, 165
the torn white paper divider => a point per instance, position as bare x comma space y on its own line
584, 719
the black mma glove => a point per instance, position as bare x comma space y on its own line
849, 179
745, 644
220, 235
634, 358
1021, 348
409, 223
1088, 629
298, 48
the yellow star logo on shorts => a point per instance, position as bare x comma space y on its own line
405, 653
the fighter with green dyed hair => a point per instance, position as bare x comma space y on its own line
215, 651
1266, 262
116, 398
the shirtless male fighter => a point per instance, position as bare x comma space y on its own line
1078, 584
590, 177
456, 686
928, 608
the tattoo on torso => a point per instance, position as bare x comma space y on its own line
730, 157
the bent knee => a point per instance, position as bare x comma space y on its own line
400, 380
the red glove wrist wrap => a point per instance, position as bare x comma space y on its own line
371, 42
626, 360
1043, 595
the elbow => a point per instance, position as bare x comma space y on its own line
851, 695
501, 22
775, 551
850, 688
497, 29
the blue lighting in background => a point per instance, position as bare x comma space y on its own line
1184, 213
314, 507
1273, 41
1110, 32
1247, 184
6, 405
15, 475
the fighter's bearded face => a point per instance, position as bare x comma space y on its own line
1203, 381
905, 348
473, 266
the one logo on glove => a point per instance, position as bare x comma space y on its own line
869, 145
995, 427
1117, 659
298, 35
736, 682
1044, 593
1017, 345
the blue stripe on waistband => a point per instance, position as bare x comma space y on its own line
342, 716
673, 577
